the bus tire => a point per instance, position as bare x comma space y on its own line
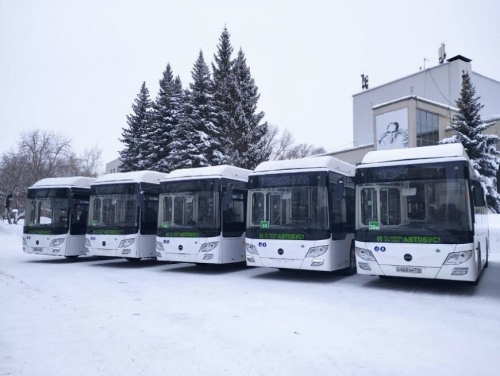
72, 257
487, 255
351, 269
133, 259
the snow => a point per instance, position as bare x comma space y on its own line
112, 317
425, 152
323, 162
73, 181
134, 176
225, 171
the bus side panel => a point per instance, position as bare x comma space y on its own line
75, 245
146, 246
233, 250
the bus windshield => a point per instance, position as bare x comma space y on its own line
116, 212
432, 207
189, 205
286, 203
47, 214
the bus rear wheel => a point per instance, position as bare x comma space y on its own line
132, 259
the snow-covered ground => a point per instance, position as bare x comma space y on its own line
111, 317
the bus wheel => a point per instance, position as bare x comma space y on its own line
72, 257
487, 255
351, 269
132, 259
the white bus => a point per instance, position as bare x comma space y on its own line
56, 217
202, 215
301, 215
421, 213
123, 215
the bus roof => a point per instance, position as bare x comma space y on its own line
66, 182
132, 176
314, 163
424, 153
222, 171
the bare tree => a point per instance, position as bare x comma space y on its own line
42, 154
283, 146
46, 154
91, 162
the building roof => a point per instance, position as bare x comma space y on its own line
459, 57
407, 97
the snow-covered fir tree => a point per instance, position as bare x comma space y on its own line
200, 115
133, 136
236, 97
183, 151
225, 99
480, 147
251, 145
167, 114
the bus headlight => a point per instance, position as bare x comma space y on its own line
126, 242
56, 242
457, 258
159, 246
317, 251
365, 254
207, 247
250, 248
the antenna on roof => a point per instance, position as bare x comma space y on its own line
441, 54
364, 81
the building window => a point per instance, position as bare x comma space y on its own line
427, 128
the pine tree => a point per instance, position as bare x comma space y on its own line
225, 99
200, 115
133, 136
480, 147
251, 143
167, 114
242, 138
183, 152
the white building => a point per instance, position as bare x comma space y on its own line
112, 167
417, 110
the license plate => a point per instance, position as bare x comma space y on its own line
408, 269
36, 249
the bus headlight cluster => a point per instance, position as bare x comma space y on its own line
207, 247
317, 251
365, 254
126, 242
87, 242
159, 246
457, 258
56, 242
250, 248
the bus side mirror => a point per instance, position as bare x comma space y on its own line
339, 190
479, 196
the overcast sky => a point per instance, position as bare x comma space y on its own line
75, 67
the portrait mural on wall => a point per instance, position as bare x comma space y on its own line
392, 130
